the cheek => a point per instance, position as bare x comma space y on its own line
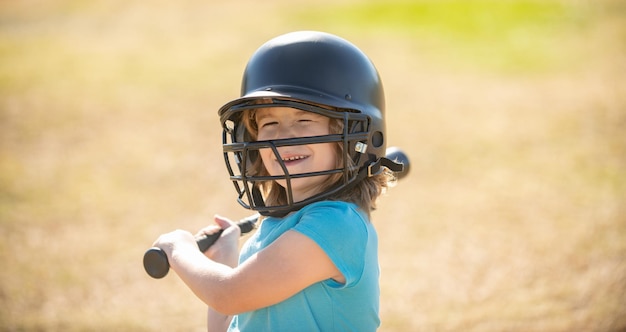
267, 157
328, 151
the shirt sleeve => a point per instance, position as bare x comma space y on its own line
341, 231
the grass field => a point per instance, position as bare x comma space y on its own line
513, 113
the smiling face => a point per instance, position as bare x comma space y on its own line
283, 122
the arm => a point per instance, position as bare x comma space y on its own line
224, 251
227, 253
217, 322
284, 268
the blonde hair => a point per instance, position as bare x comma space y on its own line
364, 194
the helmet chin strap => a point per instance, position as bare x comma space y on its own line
373, 169
376, 167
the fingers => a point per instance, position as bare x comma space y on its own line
226, 249
172, 237
221, 223
208, 230
177, 238
230, 227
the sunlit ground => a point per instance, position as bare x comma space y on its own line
513, 113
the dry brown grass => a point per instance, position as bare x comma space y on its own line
513, 218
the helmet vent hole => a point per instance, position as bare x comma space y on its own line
348, 96
377, 139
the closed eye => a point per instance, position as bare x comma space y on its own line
269, 124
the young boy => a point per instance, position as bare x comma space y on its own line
305, 147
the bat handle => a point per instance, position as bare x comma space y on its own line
155, 260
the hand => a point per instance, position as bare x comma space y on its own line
226, 249
178, 239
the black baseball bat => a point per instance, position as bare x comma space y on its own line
155, 260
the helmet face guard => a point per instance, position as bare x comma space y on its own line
315, 72
240, 153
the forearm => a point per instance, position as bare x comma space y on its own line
206, 278
217, 322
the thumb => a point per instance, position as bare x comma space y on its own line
226, 224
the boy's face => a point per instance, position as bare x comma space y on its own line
284, 122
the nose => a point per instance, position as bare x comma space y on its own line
286, 130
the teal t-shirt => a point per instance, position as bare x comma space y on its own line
350, 240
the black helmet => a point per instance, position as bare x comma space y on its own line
316, 72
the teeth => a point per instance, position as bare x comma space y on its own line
294, 158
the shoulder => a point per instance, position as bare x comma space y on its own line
343, 232
333, 220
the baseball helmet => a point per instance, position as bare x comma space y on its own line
315, 72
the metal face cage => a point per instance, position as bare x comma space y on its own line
241, 153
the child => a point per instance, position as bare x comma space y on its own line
305, 147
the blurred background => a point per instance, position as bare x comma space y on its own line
513, 113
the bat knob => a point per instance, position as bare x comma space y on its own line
155, 263
398, 156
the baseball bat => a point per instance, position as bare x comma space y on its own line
155, 260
